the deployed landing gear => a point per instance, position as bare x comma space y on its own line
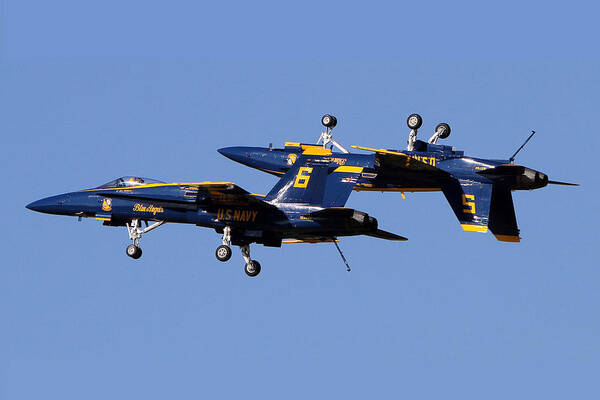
442, 131
252, 267
133, 251
135, 234
414, 121
223, 253
329, 122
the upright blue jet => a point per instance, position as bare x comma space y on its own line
306, 205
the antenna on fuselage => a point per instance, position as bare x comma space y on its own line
329, 122
512, 158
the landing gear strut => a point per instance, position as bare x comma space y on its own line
135, 234
223, 252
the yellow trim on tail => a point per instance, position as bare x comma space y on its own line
292, 144
474, 228
508, 238
102, 219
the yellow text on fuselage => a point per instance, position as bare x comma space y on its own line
149, 209
425, 160
236, 214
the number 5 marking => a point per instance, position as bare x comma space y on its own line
303, 177
468, 206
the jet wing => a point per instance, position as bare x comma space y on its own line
394, 162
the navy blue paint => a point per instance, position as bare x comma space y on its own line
284, 213
454, 174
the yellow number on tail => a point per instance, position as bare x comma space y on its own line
303, 177
469, 206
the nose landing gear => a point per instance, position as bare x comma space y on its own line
135, 234
133, 251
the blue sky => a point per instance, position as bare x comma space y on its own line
90, 92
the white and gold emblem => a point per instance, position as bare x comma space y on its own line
107, 205
292, 158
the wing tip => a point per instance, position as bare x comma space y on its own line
474, 228
508, 238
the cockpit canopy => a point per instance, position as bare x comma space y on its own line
128, 181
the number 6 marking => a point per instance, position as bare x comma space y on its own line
303, 177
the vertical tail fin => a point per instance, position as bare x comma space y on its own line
314, 180
479, 206
470, 202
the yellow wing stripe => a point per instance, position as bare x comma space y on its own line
382, 151
347, 168
292, 144
311, 150
291, 241
360, 188
474, 228
151, 185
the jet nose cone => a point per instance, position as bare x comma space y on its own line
49, 205
33, 206
234, 153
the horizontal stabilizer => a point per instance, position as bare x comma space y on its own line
386, 235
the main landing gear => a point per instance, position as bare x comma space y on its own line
135, 234
223, 253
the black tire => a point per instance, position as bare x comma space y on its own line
252, 269
223, 253
329, 121
446, 132
133, 251
414, 121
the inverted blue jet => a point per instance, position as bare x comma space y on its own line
478, 190
306, 205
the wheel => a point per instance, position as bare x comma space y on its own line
252, 268
223, 253
133, 251
414, 121
329, 121
446, 132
